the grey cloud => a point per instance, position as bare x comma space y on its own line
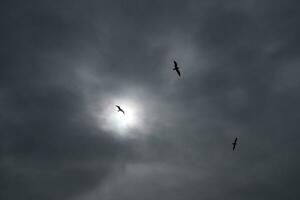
239, 63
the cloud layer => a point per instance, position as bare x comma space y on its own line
62, 60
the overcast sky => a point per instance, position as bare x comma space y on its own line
66, 63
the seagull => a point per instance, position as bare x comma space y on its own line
234, 144
120, 109
176, 68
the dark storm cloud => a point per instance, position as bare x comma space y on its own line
240, 78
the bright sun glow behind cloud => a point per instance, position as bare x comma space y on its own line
128, 124
124, 121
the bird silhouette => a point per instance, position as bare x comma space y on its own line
120, 109
234, 144
176, 68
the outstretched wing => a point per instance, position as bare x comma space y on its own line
175, 64
234, 143
178, 72
122, 111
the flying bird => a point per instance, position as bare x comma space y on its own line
120, 109
234, 144
176, 68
